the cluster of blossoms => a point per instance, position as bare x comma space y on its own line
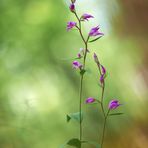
113, 104
82, 54
93, 32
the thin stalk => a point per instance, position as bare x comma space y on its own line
82, 75
80, 105
104, 127
102, 96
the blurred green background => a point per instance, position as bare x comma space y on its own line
38, 86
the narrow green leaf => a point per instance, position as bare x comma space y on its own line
97, 145
75, 116
114, 114
74, 142
95, 39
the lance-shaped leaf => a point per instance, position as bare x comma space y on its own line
115, 114
97, 145
95, 39
75, 116
74, 142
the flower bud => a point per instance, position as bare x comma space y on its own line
96, 58
103, 70
79, 55
72, 7
102, 79
89, 100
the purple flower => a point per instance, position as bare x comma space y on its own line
77, 65
90, 100
72, 7
95, 31
103, 70
113, 104
86, 17
102, 79
70, 25
79, 55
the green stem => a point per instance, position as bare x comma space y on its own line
82, 75
104, 126
102, 96
80, 106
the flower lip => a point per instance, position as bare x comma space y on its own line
95, 31
113, 104
86, 16
71, 25
90, 100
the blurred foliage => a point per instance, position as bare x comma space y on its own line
39, 87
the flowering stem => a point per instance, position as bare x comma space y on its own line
82, 75
104, 126
102, 96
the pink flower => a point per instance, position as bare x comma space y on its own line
70, 25
90, 100
113, 104
72, 7
77, 65
103, 70
86, 17
95, 31
102, 79
79, 55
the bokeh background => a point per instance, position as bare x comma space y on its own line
38, 86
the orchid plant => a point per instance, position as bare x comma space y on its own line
79, 64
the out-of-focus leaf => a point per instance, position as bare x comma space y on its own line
68, 118
74, 142
75, 116
95, 39
97, 145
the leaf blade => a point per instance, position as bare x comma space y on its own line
97, 145
74, 142
116, 114
74, 116
95, 39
